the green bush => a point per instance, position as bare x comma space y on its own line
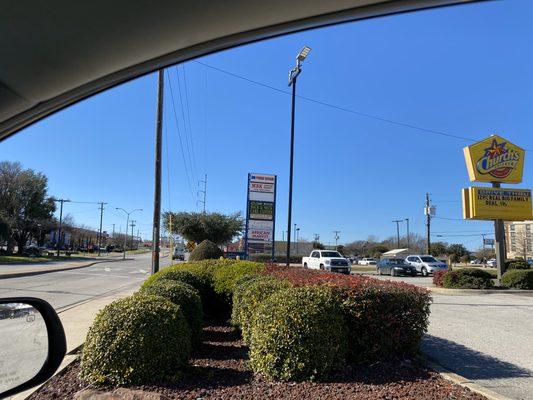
206, 250
248, 296
298, 334
518, 279
517, 264
184, 295
467, 278
386, 321
136, 340
225, 278
213, 303
174, 273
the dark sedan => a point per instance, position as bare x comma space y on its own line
393, 267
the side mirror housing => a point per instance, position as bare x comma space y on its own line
36, 343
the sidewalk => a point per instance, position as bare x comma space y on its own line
18, 270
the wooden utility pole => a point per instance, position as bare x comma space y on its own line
428, 224
100, 230
157, 172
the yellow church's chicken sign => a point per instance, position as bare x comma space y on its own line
495, 160
497, 203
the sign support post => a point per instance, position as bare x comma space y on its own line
499, 236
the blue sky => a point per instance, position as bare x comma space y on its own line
465, 71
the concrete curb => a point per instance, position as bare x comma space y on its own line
452, 292
47, 271
462, 381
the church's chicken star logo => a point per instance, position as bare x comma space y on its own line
498, 160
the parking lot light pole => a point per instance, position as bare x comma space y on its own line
127, 223
293, 75
407, 220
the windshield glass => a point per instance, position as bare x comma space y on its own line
428, 259
396, 261
331, 254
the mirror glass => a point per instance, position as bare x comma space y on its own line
23, 344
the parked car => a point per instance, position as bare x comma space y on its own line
395, 266
491, 262
367, 261
179, 253
328, 260
426, 264
474, 262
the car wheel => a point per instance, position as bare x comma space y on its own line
305, 265
379, 271
392, 272
424, 271
321, 266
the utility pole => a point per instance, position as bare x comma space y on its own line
113, 234
171, 236
100, 230
157, 171
499, 238
397, 221
407, 220
293, 75
204, 192
337, 237
297, 239
483, 238
61, 201
317, 237
427, 211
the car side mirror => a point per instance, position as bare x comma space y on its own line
33, 343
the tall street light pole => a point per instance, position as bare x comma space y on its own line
398, 231
407, 220
126, 231
293, 75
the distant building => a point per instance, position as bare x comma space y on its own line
519, 239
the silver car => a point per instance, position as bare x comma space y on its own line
426, 265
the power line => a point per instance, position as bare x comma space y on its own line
186, 90
340, 108
179, 136
188, 134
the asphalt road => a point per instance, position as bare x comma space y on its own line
487, 338
66, 289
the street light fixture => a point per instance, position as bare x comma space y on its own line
293, 75
127, 223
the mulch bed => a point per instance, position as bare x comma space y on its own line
219, 371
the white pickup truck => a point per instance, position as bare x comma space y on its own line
328, 260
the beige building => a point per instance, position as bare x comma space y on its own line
519, 239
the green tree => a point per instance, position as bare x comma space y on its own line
24, 202
458, 250
197, 227
438, 248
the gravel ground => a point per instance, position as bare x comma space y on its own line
219, 371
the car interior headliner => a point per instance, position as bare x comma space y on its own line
58, 52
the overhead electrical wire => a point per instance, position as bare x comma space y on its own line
188, 146
344, 109
179, 135
187, 107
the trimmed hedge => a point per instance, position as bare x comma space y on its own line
206, 250
467, 279
248, 296
385, 319
184, 295
517, 264
174, 274
136, 340
518, 279
298, 334
438, 276
224, 279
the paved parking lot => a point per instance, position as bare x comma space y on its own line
487, 338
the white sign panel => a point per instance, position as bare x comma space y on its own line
263, 178
261, 196
261, 235
255, 224
261, 187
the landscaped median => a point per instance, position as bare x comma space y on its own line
350, 335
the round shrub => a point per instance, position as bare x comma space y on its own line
471, 278
248, 296
298, 334
517, 264
136, 340
172, 273
518, 279
438, 276
205, 251
225, 278
186, 297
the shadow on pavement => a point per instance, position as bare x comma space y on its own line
470, 363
